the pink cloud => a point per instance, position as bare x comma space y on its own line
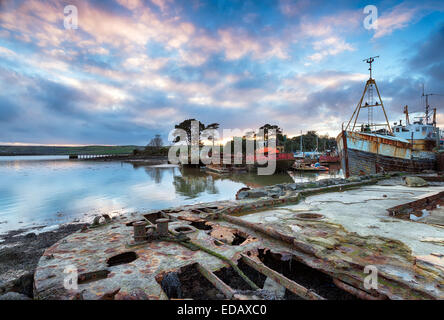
329, 46
98, 27
343, 22
327, 34
236, 43
162, 4
398, 18
403, 15
130, 4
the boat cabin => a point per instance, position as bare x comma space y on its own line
416, 131
424, 136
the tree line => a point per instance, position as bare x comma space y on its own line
311, 141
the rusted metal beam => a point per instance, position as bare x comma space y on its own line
215, 281
421, 203
359, 106
292, 286
383, 109
271, 232
357, 292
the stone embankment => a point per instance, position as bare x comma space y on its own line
279, 190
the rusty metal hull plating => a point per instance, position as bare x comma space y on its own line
363, 154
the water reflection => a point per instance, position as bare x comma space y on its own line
53, 190
192, 182
300, 176
155, 172
253, 180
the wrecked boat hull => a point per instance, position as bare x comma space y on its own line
361, 162
363, 154
295, 248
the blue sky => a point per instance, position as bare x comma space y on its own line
135, 68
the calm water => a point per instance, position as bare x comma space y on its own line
49, 190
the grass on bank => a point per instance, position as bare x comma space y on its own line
53, 150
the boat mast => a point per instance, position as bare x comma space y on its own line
427, 106
301, 143
406, 111
370, 104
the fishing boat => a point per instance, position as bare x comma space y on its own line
329, 157
372, 148
424, 135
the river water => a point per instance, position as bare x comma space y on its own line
46, 191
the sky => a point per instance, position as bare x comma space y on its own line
135, 68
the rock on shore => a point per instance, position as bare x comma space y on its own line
415, 182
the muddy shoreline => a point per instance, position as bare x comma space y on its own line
20, 252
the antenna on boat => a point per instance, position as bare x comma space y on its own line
427, 103
370, 104
427, 106
434, 117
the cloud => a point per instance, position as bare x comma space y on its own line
144, 62
5, 52
328, 25
398, 18
131, 4
162, 4
403, 15
292, 8
428, 66
329, 46
135, 68
9, 110
326, 34
236, 44
428, 59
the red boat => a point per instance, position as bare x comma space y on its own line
329, 157
283, 160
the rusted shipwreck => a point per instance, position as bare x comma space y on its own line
371, 148
277, 247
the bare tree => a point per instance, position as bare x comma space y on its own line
156, 141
